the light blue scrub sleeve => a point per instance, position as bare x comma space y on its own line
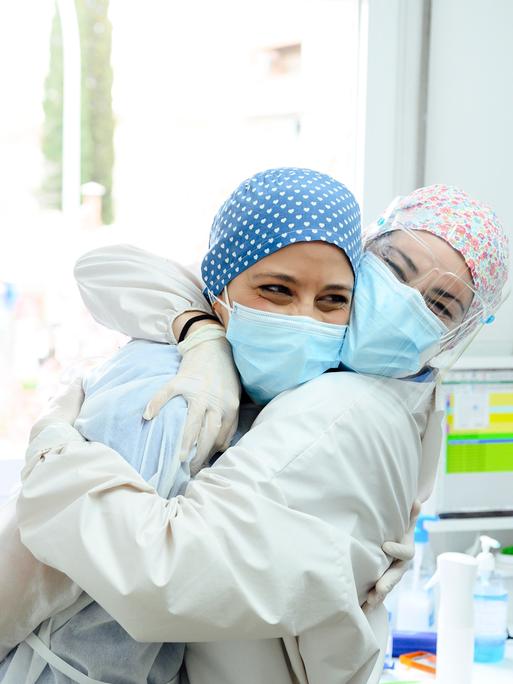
116, 394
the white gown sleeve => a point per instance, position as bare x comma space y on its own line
30, 591
226, 561
137, 293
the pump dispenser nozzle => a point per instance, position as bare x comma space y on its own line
486, 559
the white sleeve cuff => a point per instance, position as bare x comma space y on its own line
51, 437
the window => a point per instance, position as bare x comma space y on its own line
204, 94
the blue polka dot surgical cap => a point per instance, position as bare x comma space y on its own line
276, 208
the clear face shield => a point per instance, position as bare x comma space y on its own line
415, 308
429, 265
448, 294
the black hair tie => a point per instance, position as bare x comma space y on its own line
195, 319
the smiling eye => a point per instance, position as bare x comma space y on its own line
334, 301
276, 289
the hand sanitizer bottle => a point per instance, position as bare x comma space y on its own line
490, 607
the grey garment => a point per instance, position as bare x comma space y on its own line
247, 415
96, 645
93, 643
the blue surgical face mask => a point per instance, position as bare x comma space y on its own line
275, 352
391, 331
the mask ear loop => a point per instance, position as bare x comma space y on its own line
227, 299
226, 304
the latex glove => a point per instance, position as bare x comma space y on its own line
402, 552
209, 382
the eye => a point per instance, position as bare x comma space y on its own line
396, 269
334, 301
440, 309
274, 289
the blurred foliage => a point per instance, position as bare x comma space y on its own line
97, 119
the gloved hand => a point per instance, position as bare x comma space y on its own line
402, 552
209, 382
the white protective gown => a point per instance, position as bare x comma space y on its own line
279, 541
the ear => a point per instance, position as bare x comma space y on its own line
216, 307
220, 311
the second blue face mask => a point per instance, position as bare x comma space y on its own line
391, 332
275, 352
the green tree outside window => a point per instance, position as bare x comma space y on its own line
97, 118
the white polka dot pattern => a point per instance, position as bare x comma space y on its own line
276, 208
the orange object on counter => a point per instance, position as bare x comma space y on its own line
420, 660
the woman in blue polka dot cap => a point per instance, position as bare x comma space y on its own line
276, 208
285, 316
280, 273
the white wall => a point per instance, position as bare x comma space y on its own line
438, 108
393, 106
470, 119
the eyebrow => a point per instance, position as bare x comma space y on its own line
338, 286
444, 293
290, 279
282, 276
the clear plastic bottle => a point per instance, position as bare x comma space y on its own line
388, 663
504, 568
415, 603
490, 607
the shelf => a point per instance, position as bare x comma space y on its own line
469, 524
484, 363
